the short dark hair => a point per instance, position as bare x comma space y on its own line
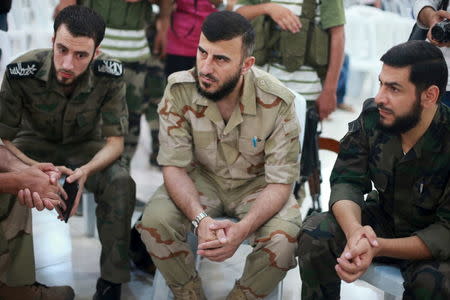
81, 21
226, 25
428, 66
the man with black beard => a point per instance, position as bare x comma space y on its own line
67, 106
401, 143
229, 146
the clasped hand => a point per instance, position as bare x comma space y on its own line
362, 246
218, 240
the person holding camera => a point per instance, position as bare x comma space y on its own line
428, 15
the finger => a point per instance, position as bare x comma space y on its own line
210, 245
347, 266
346, 276
28, 199
64, 170
20, 197
62, 192
77, 201
220, 224
211, 253
371, 236
221, 236
37, 201
48, 204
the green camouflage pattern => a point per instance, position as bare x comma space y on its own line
49, 127
411, 197
321, 241
164, 230
414, 189
114, 191
37, 105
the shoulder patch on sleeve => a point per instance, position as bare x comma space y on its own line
24, 69
106, 67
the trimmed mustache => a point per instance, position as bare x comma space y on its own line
209, 76
381, 106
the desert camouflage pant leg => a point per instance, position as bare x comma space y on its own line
114, 191
164, 229
16, 243
274, 246
321, 241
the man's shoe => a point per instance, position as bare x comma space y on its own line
36, 291
107, 290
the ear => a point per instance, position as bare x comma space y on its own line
247, 64
53, 40
97, 52
429, 97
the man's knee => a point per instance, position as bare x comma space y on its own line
316, 231
428, 281
162, 215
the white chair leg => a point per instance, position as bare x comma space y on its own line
89, 213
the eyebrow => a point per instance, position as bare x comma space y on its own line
76, 52
391, 84
217, 56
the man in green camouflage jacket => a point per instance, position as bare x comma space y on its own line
67, 106
229, 146
401, 143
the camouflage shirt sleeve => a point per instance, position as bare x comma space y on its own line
11, 109
350, 177
283, 147
114, 109
174, 133
437, 235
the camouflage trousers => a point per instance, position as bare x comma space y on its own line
114, 191
164, 231
145, 86
321, 241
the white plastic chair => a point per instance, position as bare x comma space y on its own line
5, 46
387, 278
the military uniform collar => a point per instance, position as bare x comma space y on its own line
431, 141
46, 68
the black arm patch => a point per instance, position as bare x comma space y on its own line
25, 69
111, 68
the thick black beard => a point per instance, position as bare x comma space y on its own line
405, 123
222, 92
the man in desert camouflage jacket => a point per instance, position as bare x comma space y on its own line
401, 143
67, 106
229, 146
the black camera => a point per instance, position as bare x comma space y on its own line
441, 31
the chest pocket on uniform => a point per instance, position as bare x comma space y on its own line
86, 120
204, 139
252, 149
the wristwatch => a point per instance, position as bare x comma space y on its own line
197, 220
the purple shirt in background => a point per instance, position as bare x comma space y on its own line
184, 34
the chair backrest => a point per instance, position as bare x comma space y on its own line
300, 109
5, 46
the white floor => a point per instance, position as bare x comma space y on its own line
64, 255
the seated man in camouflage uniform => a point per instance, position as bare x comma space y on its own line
68, 107
401, 143
229, 146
